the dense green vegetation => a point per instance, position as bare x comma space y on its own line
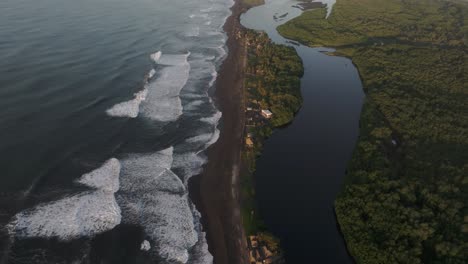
406, 192
250, 3
273, 78
272, 82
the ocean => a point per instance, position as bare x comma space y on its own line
105, 115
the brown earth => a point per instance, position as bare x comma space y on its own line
216, 192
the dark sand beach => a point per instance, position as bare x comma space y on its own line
215, 192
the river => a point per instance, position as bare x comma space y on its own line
303, 165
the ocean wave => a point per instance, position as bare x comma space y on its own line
214, 119
214, 76
151, 74
155, 56
129, 108
206, 139
189, 164
193, 105
170, 59
199, 252
152, 196
162, 101
200, 138
81, 215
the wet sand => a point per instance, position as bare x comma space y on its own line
216, 191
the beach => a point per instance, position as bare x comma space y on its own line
215, 192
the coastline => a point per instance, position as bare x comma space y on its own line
216, 191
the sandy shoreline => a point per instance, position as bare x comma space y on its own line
215, 192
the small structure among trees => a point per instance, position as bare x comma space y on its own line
267, 113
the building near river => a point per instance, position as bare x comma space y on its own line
267, 113
249, 142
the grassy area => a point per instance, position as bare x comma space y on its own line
406, 193
251, 3
361, 21
273, 78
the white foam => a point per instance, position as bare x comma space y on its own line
200, 253
129, 108
214, 119
152, 196
170, 59
200, 138
190, 163
207, 139
105, 178
163, 102
155, 56
162, 94
205, 16
221, 51
145, 245
151, 73
214, 138
214, 75
193, 105
85, 214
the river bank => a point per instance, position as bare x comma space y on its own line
273, 97
302, 166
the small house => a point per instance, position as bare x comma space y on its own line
267, 113
249, 142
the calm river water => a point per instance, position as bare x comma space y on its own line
303, 165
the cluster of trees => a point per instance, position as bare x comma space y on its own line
273, 77
360, 21
406, 192
272, 82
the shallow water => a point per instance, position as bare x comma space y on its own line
302, 166
85, 82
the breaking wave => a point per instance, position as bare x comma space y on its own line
154, 186
152, 196
162, 94
214, 119
129, 108
162, 102
82, 215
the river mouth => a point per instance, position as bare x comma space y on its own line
302, 167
